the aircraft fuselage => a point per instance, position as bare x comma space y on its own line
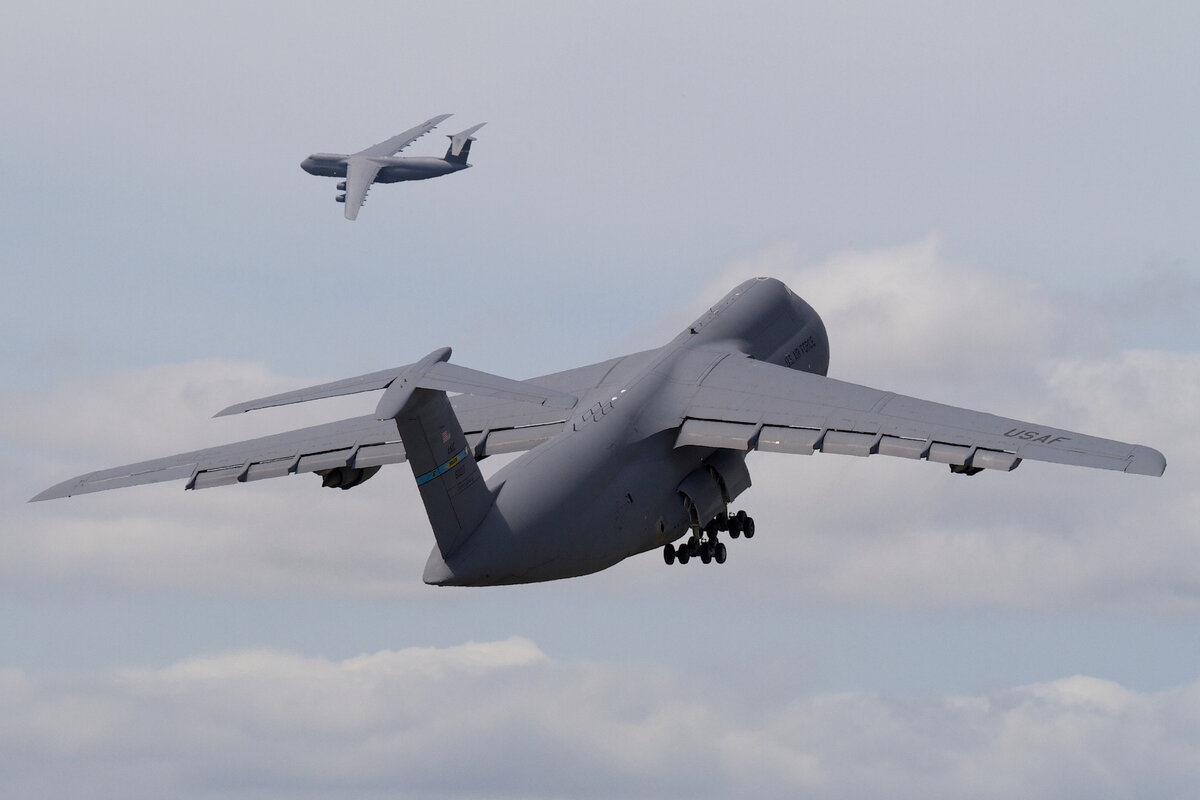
608, 487
393, 170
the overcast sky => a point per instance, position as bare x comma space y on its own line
991, 207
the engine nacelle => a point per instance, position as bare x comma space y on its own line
729, 469
341, 186
346, 477
709, 490
702, 496
341, 198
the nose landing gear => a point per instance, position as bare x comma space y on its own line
703, 544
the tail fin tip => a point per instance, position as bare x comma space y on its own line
460, 144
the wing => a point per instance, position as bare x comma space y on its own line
360, 174
745, 404
494, 424
356, 443
359, 442
400, 141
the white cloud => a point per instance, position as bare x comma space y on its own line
913, 319
276, 536
503, 719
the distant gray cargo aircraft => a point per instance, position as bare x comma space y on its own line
625, 456
380, 164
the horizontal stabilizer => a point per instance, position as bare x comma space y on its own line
438, 375
363, 383
454, 378
459, 140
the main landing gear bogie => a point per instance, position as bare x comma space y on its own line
703, 544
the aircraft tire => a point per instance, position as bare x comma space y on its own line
749, 528
669, 554
682, 555
720, 553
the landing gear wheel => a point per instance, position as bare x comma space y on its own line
749, 531
719, 555
682, 554
706, 554
669, 554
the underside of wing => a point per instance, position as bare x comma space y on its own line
493, 425
745, 404
360, 443
360, 174
389, 147
357, 443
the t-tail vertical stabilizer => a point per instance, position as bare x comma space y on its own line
455, 495
460, 145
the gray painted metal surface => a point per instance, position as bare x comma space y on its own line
380, 164
623, 456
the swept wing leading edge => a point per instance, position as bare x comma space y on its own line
389, 147
745, 404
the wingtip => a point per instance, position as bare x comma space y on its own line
54, 492
1147, 461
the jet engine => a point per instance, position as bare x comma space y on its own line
341, 186
729, 469
341, 198
702, 496
708, 490
346, 477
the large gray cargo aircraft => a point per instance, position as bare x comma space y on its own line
380, 164
642, 452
